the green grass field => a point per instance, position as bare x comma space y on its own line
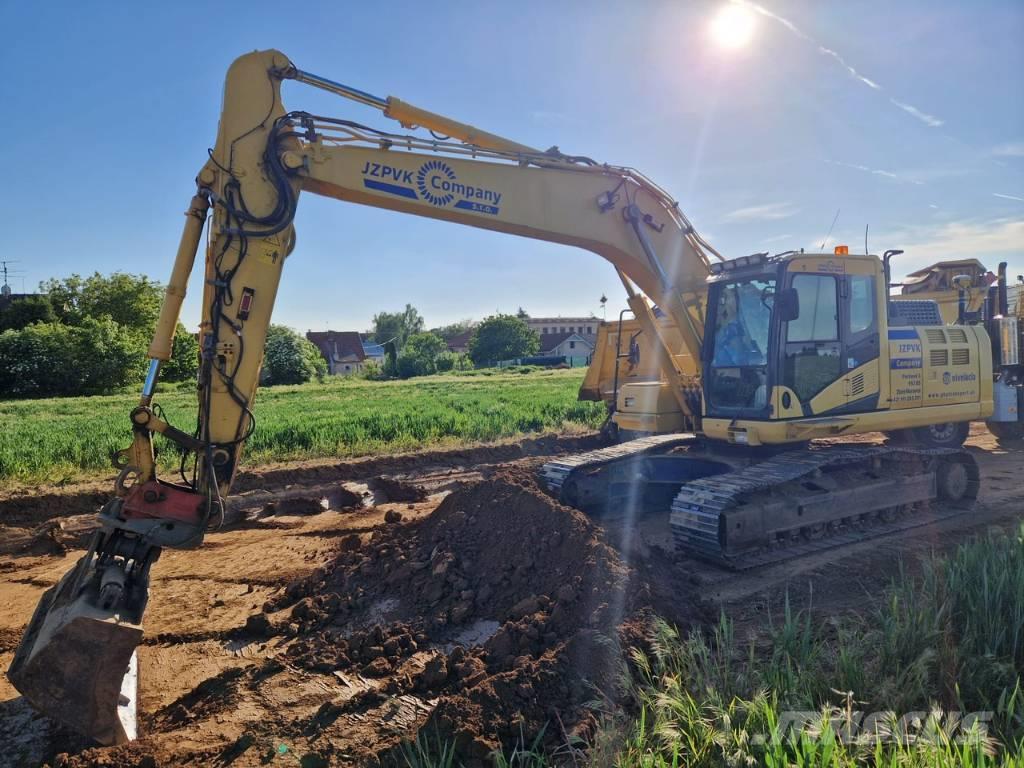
63, 439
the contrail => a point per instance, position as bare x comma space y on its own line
1008, 197
853, 72
930, 120
877, 172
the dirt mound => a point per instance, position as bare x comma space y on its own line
502, 604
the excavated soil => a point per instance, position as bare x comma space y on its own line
331, 621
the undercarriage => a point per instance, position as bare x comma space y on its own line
746, 508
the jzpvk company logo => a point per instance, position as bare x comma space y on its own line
431, 182
435, 182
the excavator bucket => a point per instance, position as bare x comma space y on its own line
76, 662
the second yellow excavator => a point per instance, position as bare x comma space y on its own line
766, 353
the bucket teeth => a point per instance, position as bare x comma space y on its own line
74, 661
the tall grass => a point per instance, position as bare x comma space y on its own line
949, 640
65, 438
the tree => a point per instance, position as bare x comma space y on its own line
502, 337
419, 355
397, 325
129, 300
448, 332
25, 311
390, 367
289, 358
522, 315
426, 345
184, 362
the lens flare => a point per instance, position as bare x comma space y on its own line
733, 26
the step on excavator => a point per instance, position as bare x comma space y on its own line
766, 354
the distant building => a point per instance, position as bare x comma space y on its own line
565, 345
585, 327
373, 352
459, 343
343, 351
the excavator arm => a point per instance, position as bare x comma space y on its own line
82, 638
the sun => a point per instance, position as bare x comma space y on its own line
733, 26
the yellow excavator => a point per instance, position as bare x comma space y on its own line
625, 376
766, 353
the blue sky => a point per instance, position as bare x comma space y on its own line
905, 116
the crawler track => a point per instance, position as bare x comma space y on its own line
554, 474
805, 501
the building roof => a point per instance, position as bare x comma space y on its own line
338, 345
549, 341
373, 349
460, 340
590, 319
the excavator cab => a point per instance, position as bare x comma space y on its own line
786, 337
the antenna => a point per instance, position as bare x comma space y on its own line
3, 266
5, 289
834, 219
866, 239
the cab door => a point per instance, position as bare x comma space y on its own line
812, 349
861, 342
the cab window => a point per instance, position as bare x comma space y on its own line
819, 309
862, 303
813, 351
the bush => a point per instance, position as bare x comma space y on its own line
372, 371
445, 362
409, 366
46, 359
290, 359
